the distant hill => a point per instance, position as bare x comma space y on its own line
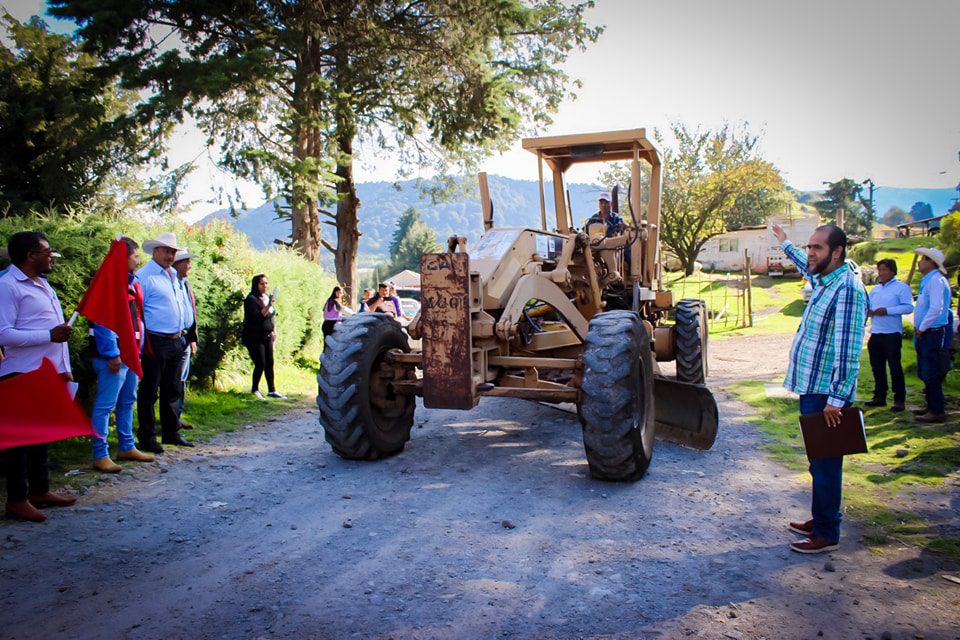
515, 203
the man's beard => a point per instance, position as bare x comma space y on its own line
819, 268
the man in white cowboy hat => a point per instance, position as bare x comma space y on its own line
933, 332
164, 316
181, 263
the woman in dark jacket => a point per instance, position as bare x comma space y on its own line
259, 334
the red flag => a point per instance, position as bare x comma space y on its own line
37, 408
105, 302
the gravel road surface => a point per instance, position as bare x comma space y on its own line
486, 526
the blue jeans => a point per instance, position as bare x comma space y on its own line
933, 362
827, 475
114, 390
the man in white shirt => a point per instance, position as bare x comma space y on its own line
933, 332
162, 361
31, 329
890, 300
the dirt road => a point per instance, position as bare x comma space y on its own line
487, 526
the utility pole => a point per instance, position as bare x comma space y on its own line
870, 211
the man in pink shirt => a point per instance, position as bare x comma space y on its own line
31, 329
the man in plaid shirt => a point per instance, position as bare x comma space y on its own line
824, 364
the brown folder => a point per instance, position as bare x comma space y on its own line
847, 438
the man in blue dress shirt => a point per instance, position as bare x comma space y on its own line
890, 299
933, 331
164, 317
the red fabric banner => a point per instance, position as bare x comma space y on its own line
105, 302
37, 408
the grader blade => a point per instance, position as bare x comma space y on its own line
686, 413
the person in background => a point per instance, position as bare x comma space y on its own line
162, 360
31, 329
824, 365
933, 332
380, 301
332, 311
392, 291
116, 383
259, 334
890, 300
181, 263
363, 300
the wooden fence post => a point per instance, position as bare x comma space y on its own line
748, 293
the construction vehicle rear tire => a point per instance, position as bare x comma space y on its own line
616, 408
361, 417
692, 340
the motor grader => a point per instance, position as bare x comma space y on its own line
562, 315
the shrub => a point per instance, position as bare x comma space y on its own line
950, 239
864, 252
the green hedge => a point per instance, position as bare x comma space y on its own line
220, 276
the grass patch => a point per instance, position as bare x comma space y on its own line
903, 455
211, 412
777, 302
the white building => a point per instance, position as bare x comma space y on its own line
726, 251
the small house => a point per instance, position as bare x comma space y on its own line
725, 252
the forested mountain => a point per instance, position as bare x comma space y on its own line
515, 203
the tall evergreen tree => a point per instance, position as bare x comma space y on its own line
67, 135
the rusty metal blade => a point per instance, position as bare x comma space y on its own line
446, 331
686, 413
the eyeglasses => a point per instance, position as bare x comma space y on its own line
47, 252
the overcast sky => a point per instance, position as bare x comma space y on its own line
839, 88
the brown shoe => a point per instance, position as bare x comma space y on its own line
50, 499
814, 544
919, 412
24, 511
106, 465
932, 417
136, 455
803, 528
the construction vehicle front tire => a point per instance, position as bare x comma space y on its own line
616, 408
361, 417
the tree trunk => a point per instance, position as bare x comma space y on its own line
304, 208
348, 236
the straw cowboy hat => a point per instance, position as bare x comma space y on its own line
934, 254
168, 240
183, 254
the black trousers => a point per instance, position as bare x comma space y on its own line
884, 350
25, 468
161, 373
261, 352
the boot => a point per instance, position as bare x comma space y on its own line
50, 499
919, 412
106, 465
24, 511
136, 455
932, 417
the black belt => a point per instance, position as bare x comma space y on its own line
168, 336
